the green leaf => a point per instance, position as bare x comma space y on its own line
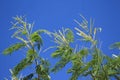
32, 53
79, 55
84, 52
35, 37
69, 36
45, 63
42, 71
38, 69
23, 64
64, 53
112, 72
60, 64
28, 77
24, 32
57, 53
13, 48
43, 31
116, 45
45, 77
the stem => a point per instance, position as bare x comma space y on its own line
36, 62
93, 76
104, 72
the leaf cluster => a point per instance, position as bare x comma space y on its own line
98, 67
31, 42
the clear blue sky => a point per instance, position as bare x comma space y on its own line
52, 15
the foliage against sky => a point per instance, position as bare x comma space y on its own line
100, 66
53, 15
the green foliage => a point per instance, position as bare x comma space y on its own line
28, 77
43, 72
63, 37
22, 26
23, 64
32, 53
13, 48
69, 36
116, 45
43, 69
88, 33
43, 31
29, 40
78, 64
64, 53
113, 67
98, 67
35, 37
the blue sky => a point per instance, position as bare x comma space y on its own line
52, 15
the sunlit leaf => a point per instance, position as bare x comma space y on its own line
13, 48
35, 37
69, 36
31, 53
43, 31
42, 70
23, 64
64, 54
